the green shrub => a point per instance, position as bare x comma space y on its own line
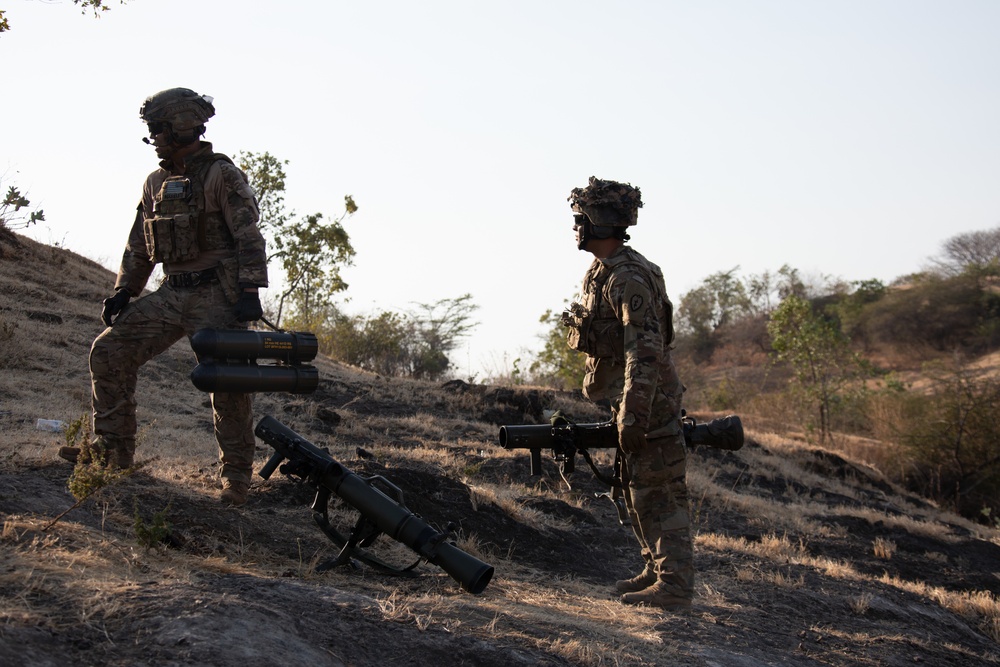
943, 313
949, 437
153, 534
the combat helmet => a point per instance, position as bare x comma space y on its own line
605, 208
184, 110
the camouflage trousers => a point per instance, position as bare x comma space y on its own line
656, 497
146, 327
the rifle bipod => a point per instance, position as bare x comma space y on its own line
363, 535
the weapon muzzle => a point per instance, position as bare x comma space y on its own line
527, 436
725, 433
472, 573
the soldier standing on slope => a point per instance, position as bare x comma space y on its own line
198, 217
624, 323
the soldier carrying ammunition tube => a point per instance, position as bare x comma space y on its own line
198, 219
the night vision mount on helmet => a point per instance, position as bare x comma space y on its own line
184, 110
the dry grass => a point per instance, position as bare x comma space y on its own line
980, 607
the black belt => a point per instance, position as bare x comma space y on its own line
192, 279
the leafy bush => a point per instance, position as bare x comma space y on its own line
819, 355
557, 365
949, 438
943, 313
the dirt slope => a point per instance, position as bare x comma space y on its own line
803, 557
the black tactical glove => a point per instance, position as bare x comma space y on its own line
632, 439
248, 307
114, 305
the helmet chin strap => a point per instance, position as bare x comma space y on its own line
592, 231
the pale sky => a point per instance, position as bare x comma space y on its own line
846, 138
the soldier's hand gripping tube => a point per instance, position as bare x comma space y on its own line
248, 308
228, 361
380, 513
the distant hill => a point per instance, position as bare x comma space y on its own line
803, 556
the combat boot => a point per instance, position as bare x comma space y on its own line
643, 580
71, 454
75, 455
120, 458
234, 492
116, 455
658, 595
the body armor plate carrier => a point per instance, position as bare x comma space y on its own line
180, 227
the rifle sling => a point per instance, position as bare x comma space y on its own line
613, 482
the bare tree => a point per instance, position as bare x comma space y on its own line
975, 251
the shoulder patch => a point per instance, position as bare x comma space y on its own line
635, 300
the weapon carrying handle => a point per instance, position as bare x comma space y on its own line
264, 320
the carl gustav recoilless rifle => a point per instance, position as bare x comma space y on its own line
379, 512
567, 439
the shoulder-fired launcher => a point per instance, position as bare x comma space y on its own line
567, 439
379, 511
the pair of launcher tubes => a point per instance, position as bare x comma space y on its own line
228, 361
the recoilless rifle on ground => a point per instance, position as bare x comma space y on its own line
379, 512
228, 362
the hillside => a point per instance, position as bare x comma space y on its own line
803, 556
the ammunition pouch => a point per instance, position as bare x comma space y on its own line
172, 233
180, 228
596, 337
171, 238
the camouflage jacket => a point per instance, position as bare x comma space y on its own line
624, 323
228, 233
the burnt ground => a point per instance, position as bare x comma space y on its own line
245, 590
803, 557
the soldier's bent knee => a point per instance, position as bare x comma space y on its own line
100, 358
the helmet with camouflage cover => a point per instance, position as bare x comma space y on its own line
605, 208
184, 110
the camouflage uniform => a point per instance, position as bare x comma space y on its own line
625, 326
204, 231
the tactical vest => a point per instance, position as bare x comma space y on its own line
594, 328
180, 227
